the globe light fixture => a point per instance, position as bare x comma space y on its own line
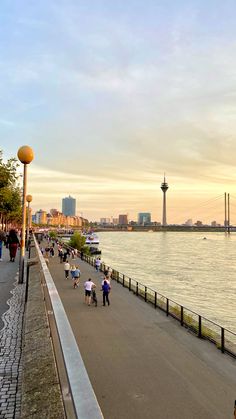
25, 155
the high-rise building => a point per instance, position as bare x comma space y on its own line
41, 217
105, 221
164, 188
144, 218
68, 206
123, 219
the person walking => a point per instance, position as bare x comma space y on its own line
76, 277
13, 243
72, 270
60, 254
51, 252
47, 250
66, 269
97, 264
2, 240
88, 285
94, 296
106, 278
106, 289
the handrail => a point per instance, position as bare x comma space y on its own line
85, 402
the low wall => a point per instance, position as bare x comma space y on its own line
41, 393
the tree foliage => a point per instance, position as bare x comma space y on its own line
77, 241
53, 234
10, 195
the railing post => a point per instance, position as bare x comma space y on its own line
222, 339
136, 288
146, 294
155, 303
123, 280
199, 326
117, 276
182, 316
167, 306
129, 284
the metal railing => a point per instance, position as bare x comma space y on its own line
80, 389
224, 339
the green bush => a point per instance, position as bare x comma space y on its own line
53, 234
77, 241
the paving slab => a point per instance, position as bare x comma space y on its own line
141, 363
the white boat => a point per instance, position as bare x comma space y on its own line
91, 239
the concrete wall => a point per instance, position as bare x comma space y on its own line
41, 393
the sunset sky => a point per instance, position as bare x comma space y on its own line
112, 94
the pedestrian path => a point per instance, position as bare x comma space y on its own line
141, 363
12, 311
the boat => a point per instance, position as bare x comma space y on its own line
94, 251
91, 239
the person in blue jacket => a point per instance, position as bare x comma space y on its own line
106, 289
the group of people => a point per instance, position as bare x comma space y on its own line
74, 271
89, 286
90, 292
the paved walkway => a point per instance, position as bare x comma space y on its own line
142, 364
11, 311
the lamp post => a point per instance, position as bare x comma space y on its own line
28, 199
25, 155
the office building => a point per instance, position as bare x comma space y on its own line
123, 219
105, 221
41, 217
69, 206
144, 218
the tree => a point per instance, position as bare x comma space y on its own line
77, 241
10, 195
53, 234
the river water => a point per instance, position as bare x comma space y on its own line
198, 273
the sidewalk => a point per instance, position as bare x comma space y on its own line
10, 337
141, 363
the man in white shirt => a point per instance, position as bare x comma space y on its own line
88, 285
66, 268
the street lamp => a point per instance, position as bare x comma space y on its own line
25, 155
28, 199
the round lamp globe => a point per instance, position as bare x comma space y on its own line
29, 198
25, 154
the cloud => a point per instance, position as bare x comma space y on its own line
112, 96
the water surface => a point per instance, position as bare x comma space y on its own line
197, 273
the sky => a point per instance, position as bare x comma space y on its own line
113, 94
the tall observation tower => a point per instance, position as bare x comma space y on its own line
164, 188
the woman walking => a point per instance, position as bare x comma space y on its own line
76, 277
106, 289
13, 243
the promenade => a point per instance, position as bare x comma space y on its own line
141, 363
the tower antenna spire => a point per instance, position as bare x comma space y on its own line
164, 188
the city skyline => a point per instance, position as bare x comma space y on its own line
111, 96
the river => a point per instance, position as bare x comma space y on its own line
198, 273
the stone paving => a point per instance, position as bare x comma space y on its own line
10, 355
